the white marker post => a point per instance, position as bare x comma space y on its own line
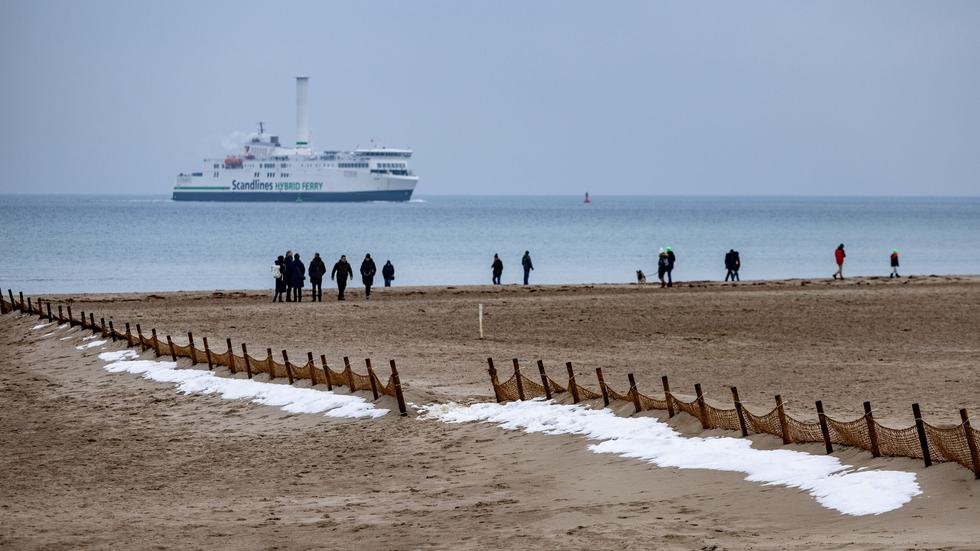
481, 321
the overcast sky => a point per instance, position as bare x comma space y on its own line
504, 97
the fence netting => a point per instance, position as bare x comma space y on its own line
948, 443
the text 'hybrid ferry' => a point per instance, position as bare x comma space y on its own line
266, 171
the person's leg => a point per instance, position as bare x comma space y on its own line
526, 274
367, 291
387, 283
670, 280
728, 274
289, 293
735, 276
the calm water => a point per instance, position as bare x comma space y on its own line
99, 243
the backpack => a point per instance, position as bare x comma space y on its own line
276, 272
664, 261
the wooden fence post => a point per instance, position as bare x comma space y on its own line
702, 411
572, 385
81, 323
544, 380
30, 307
782, 419
374, 384
231, 357
668, 397
190, 344
518, 378
91, 321
71, 320
326, 371
22, 309
61, 316
140, 337
602, 386
156, 342
738, 410
13, 305
289, 370
48, 305
105, 330
312, 367
971, 442
634, 393
921, 430
170, 343
112, 330
824, 429
272, 363
207, 352
398, 388
129, 336
350, 374
248, 362
872, 432
493, 380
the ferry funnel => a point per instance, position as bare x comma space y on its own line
302, 112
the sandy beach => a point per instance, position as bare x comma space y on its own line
95, 459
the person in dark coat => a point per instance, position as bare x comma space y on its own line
671, 259
278, 273
732, 265
388, 272
299, 277
368, 269
498, 269
342, 271
528, 266
894, 262
287, 275
317, 271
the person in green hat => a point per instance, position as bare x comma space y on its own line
671, 259
894, 260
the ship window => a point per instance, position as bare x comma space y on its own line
256, 174
270, 174
283, 165
216, 174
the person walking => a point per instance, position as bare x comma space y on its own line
894, 262
341, 271
287, 275
299, 277
528, 266
731, 264
671, 259
738, 266
388, 273
317, 271
498, 269
662, 262
368, 269
839, 256
277, 274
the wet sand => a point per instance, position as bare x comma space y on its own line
93, 459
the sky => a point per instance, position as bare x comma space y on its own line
504, 97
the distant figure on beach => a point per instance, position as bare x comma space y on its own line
662, 262
671, 259
498, 269
839, 256
317, 270
894, 261
341, 270
732, 264
277, 274
287, 275
368, 269
528, 266
388, 272
298, 279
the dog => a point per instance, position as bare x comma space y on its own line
641, 278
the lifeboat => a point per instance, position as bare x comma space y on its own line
233, 162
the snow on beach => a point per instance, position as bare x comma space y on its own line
833, 484
40, 326
88, 345
288, 398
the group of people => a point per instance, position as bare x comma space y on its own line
290, 275
840, 255
497, 267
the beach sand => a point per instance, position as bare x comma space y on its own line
93, 459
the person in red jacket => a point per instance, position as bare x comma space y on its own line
894, 262
839, 256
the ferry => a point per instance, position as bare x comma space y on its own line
264, 170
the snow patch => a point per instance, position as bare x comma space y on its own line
90, 337
88, 345
119, 355
833, 484
40, 326
288, 398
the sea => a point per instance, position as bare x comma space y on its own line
101, 243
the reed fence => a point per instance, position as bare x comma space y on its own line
922, 440
243, 363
